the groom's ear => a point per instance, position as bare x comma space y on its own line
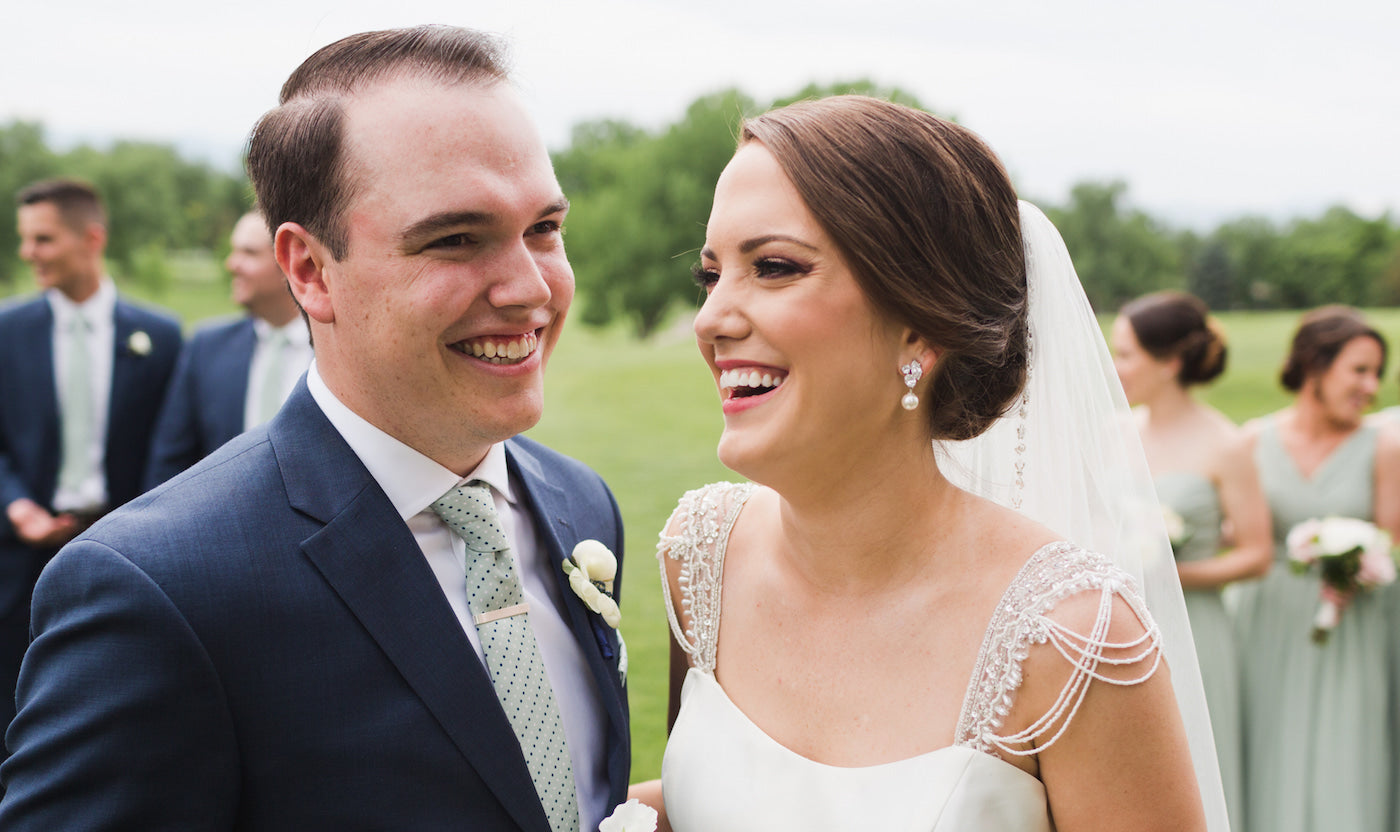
304, 260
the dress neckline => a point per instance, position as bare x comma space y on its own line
970, 690
1327, 461
703, 678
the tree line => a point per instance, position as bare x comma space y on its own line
158, 202
641, 198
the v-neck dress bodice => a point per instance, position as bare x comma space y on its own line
722, 771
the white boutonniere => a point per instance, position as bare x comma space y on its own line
632, 816
139, 344
591, 569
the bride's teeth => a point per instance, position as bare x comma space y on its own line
513, 350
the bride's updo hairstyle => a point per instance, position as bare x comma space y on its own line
925, 215
1321, 335
1177, 325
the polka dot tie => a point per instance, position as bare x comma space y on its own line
512, 655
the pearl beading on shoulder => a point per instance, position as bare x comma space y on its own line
702, 521
1054, 573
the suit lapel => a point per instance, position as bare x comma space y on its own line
551, 508
240, 358
371, 560
38, 375
123, 374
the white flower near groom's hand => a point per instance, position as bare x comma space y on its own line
591, 568
632, 816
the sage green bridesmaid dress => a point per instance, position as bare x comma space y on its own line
1317, 723
1194, 498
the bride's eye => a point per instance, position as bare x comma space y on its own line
703, 277
777, 267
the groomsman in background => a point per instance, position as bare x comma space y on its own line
233, 375
82, 377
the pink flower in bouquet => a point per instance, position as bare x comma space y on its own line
1302, 542
1377, 566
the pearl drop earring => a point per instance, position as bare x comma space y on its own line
913, 371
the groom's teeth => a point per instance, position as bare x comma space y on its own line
506, 351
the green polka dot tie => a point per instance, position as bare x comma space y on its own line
512, 655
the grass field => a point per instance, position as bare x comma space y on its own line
644, 414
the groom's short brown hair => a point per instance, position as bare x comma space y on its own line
296, 157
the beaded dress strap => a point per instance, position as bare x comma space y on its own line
701, 522
1054, 573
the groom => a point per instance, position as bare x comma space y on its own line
295, 634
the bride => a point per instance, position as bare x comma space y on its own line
893, 651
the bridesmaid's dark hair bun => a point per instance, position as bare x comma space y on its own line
1321, 335
1178, 325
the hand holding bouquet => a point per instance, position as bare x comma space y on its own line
1350, 555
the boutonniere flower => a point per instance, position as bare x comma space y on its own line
632, 816
139, 344
591, 569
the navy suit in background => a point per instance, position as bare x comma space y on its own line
207, 399
30, 442
260, 644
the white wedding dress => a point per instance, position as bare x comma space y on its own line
722, 772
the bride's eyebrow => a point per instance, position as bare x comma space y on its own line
751, 244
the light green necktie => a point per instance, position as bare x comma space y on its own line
270, 385
512, 654
77, 405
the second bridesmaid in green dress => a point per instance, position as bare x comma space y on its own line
1164, 344
1318, 746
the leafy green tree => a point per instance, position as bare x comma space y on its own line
1212, 276
639, 204
24, 158
1119, 252
640, 201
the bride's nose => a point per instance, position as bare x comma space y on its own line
721, 315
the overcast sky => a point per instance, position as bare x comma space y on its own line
1208, 109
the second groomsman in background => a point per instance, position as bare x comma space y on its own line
233, 375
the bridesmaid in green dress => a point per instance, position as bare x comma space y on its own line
1165, 344
1318, 748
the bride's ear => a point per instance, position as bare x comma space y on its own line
920, 350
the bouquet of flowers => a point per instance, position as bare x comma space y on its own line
1177, 532
1350, 556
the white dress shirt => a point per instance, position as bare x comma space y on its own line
101, 341
413, 482
295, 358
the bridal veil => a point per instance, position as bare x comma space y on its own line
1068, 456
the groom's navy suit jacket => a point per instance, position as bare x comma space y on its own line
30, 441
259, 644
207, 398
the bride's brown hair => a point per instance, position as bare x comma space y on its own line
926, 217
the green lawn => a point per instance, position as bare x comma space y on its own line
644, 414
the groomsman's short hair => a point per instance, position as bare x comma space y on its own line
78, 203
296, 154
